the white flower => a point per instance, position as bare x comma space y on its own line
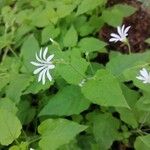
31, 149
44, 65
121, 36
81, 83
144, 76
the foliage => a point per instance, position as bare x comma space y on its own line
88, 105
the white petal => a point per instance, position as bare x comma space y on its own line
43, 77
119, 30
38, 70
36, 64
144, 73
50, 57
113, 40
38, 59
51, 66
115, 36
40, 76
127, 29
122, 29
48, 75
45, 53
140, 78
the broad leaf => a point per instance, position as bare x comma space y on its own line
66, 102
142, 143
87, 5
10, 127
104, 90
28, 51
57, 132
90, 44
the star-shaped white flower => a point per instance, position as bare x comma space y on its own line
44, 65
121, 36
144, 76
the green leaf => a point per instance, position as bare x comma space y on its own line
22, 146
118, 64
104, 90
128, 115
71, 37
9, 105
90, 44
142, 143
87, 5
49, 32
28, 51
105, 129
57, 132
66, 102
73, 71
18, 83
35, 87
119, 11
143, 104
25, 113
10, 127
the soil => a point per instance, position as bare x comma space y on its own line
138, 33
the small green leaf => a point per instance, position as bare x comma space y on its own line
74, 71
90, 44
118, 64
104, 90
142, 143
67, 102
87, 5
57, 132
10, 127
71, 37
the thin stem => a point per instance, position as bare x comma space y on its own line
88, 59
144, 120
129, 47
35, 139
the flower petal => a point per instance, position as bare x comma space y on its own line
43, 77
113, 40
36, 64
119, 30
127, 29
38, 70
50, 57
51, 66
115, 36
144, 73
48, 75
45, 53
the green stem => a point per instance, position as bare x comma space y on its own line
88, 59
35, 139
129, 47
